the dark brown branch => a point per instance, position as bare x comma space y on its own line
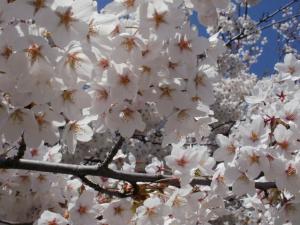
96, 187
112, 153
21, 149
223, 124
83, 170
14, 223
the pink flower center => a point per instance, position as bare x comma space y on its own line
182, 161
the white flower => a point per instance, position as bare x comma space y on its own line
19, 121
186, 45
48, 122
155, 167
227, 150
83, 210
253, 161
179, 204
255, 134
290, 69
151, 212
74, 66
168, 95
199, 85
289, 212
50, 218
287, 175
118, 212
286, 140
240, 182
123, 83
180, 124
159, 18
71, 102
68, 22
125, 119
182, 161
101, 99
218, 184
77, 130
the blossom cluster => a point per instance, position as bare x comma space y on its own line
77, 67
67, 72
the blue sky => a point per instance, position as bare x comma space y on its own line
270, 54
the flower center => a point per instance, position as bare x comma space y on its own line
182, 162
52, 222
151, 211
34, 52
184, 44
38, 4
254, 158
7, 51
291, 70
34, 152
254, 136
124, 80
66, 18
104, 63
145, 69
73, 60
231, 148
82, 210
172, 65
159, 18
290, 171
67, 96
128, 44
17, 116
127, 114
129, 3
40, 118
102, 95
166, 92
284, 145
199, 80
75, 127
118, 210
182, 114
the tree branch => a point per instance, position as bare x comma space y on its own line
21, 149
83, 170
279, 22
112, 153
13, 223
266, 18
96, 187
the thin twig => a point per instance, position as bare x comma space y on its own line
279, 22
21, 149
269, 16
246, 10
96, 187
229, 122
112, 153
